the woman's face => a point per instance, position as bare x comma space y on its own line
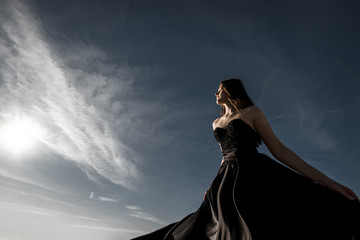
221, 96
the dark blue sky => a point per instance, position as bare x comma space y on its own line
123, 92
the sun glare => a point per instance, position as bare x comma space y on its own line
19, 135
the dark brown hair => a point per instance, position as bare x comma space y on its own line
238, 96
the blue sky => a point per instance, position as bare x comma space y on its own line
121, 97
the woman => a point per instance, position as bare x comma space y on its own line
255, 197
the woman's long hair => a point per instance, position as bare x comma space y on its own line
238, 96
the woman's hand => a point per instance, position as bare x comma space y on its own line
335, 186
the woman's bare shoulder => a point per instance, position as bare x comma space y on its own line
253, 112
252, 109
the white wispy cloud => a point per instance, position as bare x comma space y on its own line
140, 213
87, 218
24, 195
102, 198
35, 84
133, 208
107, 229
107, 199
42, 223
16, 208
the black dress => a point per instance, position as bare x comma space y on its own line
255, 197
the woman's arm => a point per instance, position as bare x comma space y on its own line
289, 158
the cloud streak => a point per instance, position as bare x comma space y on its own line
40, 223
103, 199
137, 212
35, 84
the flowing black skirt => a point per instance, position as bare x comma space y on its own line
255, 197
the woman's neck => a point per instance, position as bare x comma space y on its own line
230, 110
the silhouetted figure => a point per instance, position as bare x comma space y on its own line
255, 197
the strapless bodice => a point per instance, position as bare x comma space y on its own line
237, 135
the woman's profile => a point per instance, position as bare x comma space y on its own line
253, 197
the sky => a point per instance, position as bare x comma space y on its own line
106, 107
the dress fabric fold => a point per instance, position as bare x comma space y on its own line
253, 197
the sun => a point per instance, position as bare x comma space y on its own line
19, 135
